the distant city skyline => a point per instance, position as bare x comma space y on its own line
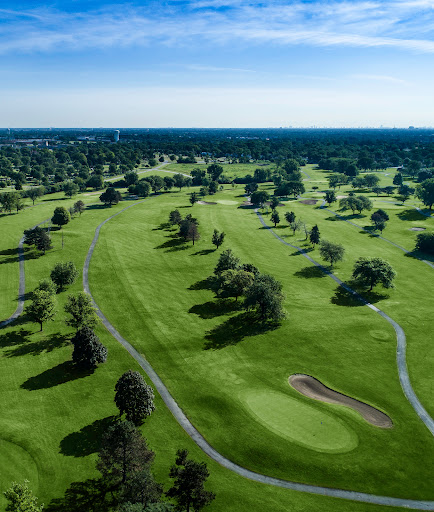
216, 63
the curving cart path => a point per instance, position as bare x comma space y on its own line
223, 461
21, 287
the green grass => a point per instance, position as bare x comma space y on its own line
197, 343
211, 358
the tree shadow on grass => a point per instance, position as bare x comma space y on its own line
420, 255
174, 244
92, 495
217, 308
13, 338
235, 329
35, 348
9, 252
164, 226
203, 252
205, 284
87, 440
412, 215
310, 272
63, 372
344, 297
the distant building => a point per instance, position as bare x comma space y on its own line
116, 135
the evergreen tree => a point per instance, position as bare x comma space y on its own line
134, 397
314, 236
88, 350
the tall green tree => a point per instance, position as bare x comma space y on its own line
34, 193
259, 198
275, 218
233, 283
265, 295
289, 217
314, 235
217, 238
331, 252
110, 196
373, 271
21, 499
175, 217
42, 308
425, 192
79, 207
81, 309
134, 397
88, 350
405, 191
193, 198
63, 274
226, 261
330, 197
188, 487
70, 188
60, 216
124, 453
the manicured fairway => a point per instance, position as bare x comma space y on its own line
155, 294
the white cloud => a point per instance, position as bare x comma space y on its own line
405, 24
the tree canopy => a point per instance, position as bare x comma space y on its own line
134, 397
81, 309
331, 252
88, 350
372, 271
265, 295
42, 308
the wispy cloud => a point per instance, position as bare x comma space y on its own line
216, 69
379, 78
404, 24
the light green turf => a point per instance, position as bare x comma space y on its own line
196, 344
301, 423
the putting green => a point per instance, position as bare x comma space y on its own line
300, 423
20, 466
227, 202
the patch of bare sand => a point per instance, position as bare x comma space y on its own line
341, 197
313, 388
417, 229
205, 202
309, 201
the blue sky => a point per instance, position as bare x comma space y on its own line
216, 63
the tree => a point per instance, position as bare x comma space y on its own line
425, 242
110, 196
81, 309
363, 203
169, 182
295, 225
274, 202
48, 286
382, 214
314, 236
213, 187
275, 218
378, 221
226, 261
34, 192
331, 252
290, 217
425, 192
250, 188
398, 179
96, 181
134, 397
217, 238
70, 188
296, 188
79, 207
233, 283
175, 217
10, 201
60, 216
372, 271
63, 274
214, 170
389, 190
42, 308
193, 232
88, 350
131, 178
259, 198
193, 198
188, 486
38, 237
185, 225
371, 180
179, 181
21, 499
142, 489
157, 184
124, 453
405, 192
330, 197
265, 295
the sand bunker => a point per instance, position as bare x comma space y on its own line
309, 201
313, 388
341, 197
417, 229
205, 202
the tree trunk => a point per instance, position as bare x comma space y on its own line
40, 323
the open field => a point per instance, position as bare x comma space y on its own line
228, 374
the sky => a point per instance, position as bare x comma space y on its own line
217, 63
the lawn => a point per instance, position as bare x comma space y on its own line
52, 417
197, 343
